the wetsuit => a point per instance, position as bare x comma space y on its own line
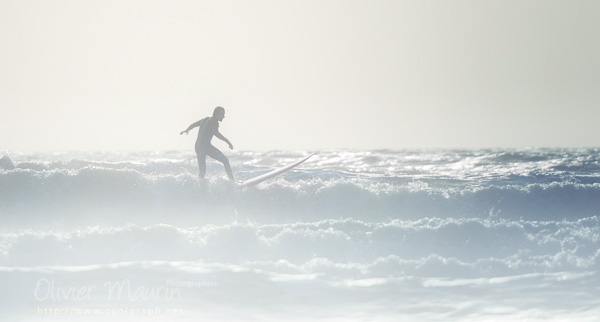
209, 127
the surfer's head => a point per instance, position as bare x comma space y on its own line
219, 113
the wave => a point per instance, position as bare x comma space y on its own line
465, 248
94, 190
401, 235
304, 196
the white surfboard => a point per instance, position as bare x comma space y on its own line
276, 172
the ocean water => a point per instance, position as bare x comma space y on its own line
432, 235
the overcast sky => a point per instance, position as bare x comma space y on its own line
309, 74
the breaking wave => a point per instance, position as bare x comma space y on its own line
344, 222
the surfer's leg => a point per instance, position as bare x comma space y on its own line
219, 156
201, 164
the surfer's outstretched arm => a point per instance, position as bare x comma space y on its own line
191, 127
220, 136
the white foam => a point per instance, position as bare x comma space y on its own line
352, 235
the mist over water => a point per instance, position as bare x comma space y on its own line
462, 235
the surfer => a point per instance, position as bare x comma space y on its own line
209, 127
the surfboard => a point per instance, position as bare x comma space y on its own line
276, 172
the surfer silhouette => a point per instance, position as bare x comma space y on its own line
209, 127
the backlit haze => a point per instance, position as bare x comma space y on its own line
130, 75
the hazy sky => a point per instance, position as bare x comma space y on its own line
306, 74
